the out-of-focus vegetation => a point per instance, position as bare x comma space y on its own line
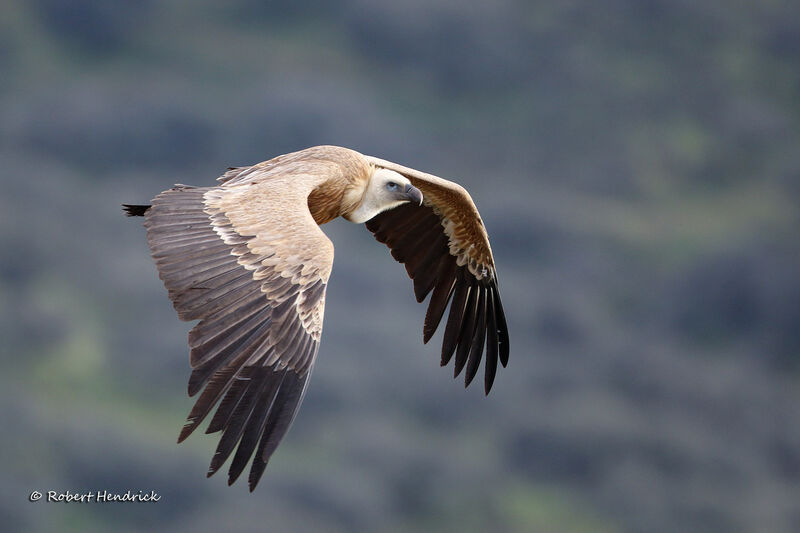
637, 164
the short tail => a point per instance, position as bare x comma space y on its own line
135, 210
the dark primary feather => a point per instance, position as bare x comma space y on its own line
478, 336
491, 342
443, 289
476, 320
278, 420
262, 402
454, 320
468, 324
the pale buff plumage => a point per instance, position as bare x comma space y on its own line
248, 259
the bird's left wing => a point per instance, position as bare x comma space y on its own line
251, 264
445, 249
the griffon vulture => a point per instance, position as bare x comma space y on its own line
248, 259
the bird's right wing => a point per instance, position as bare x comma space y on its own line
251, 264
445, 249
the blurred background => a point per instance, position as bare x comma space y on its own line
637, 164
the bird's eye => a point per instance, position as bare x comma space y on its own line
392, 186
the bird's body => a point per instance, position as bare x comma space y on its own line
248, 259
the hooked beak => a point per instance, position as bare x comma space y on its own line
413, 194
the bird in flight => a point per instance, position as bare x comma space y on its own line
247, 258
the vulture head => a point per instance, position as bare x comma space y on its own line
384, 190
